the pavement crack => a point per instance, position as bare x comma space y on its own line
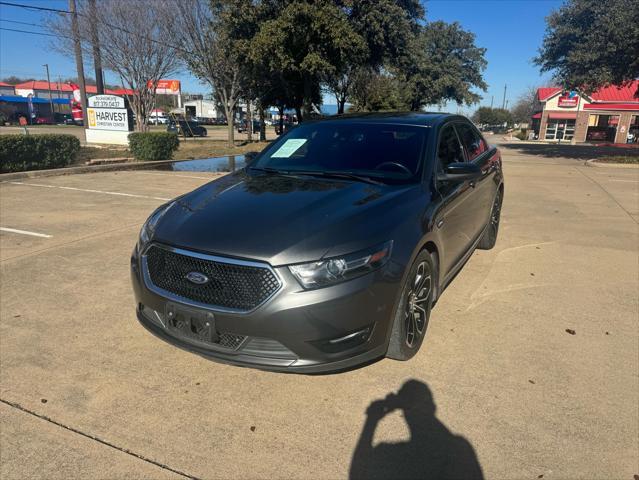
607, 193
97, 439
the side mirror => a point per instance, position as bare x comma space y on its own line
249, 157
460, 172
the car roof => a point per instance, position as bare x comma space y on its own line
423, 119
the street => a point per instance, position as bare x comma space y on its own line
531, 354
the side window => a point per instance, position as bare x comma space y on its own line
449, 150
473, 143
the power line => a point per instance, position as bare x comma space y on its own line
32, 33
58, 10
32, 7
23, 23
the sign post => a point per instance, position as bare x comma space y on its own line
109, 120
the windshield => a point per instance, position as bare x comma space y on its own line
381, 151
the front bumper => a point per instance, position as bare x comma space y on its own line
305, 331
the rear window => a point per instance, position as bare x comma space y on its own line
380, 150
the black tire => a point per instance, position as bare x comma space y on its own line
410, 320
489, 238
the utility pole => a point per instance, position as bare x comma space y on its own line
78, 59
46, 65
503, 103
95, 42
492, 97
506, 105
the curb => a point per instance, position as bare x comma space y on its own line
86, 169
595, 163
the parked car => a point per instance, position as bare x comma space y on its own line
158, 118
186, 128
328, 250
63, 119
43, 121
242, 127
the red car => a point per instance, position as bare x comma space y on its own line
43, 121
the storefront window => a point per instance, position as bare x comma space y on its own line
560, 129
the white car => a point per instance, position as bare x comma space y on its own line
158, 119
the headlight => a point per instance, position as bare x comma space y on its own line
337, 269
148, 229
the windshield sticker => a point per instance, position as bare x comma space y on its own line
289, 148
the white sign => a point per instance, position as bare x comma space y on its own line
106, 101
289, 148
108, 119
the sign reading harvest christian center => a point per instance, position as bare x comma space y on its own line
108, 112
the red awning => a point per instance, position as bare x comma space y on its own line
536, 115
612, 106
563, 115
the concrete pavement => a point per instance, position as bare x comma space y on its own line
530, 398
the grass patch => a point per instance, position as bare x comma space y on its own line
190, 149
89, 153
193, 149
619, 159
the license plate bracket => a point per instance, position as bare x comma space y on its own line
191, 323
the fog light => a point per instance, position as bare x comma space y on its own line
345, 342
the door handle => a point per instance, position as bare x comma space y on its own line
440, 222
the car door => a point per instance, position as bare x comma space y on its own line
454, 220
477, 151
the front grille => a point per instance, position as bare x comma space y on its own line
230, 285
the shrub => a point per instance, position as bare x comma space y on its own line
153, 145
19, 153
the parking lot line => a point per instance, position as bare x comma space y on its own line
24, 232
177, 175
88, 190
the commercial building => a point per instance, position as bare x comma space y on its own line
610, 114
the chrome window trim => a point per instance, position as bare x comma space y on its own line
187, 301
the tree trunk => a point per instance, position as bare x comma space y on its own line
281, 112
249, 121
340, 106
262, 124
298, 111
229, 123
307, 101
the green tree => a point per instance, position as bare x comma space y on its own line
307, 42
387, 28
375, 92
492, 116
444, 64
440, 62
590, 43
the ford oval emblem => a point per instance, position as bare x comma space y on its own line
197, 278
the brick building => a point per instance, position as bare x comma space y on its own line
610, 114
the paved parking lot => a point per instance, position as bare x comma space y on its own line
85, 391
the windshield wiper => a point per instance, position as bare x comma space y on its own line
340, 174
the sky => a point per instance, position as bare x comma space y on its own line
510, 30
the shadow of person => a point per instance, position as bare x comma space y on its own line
433, 451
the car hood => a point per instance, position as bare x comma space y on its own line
284, 219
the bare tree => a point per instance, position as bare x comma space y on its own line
208, 52
134, 43
524, 107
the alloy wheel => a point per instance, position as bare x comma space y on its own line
416, 310
494, 217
